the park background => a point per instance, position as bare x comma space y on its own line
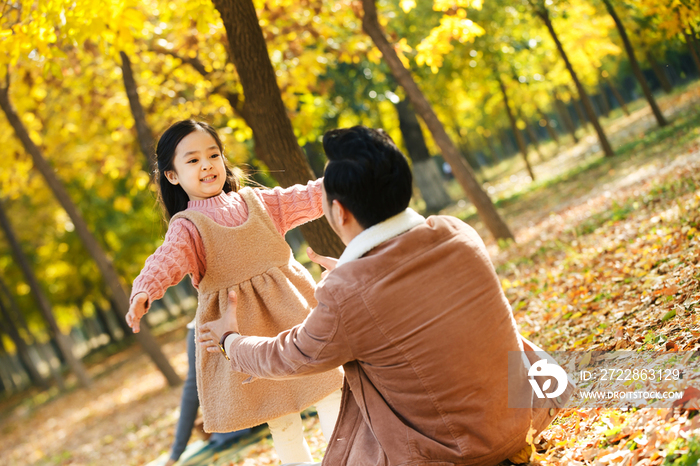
571, 129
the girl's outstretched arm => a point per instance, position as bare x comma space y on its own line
181, 253
293, 206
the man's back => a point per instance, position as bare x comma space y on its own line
430, 331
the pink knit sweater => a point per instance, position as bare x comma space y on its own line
182, 251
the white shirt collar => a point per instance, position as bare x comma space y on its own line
377, 234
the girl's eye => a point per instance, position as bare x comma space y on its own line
213, 156
192, 161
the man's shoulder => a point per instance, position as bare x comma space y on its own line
352, 278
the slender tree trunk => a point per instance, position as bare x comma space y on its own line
145, 136
33, 341
62, 340
514, 126
565, 117
605, 105
548, 126
104, 264
8, 368
275, 142
14, 307
509, 148
88, 326
468, 154
121, 321
3, 389
533, 137
660, 73
494, 153
104, 323
604, 143
691, 48
618, 97
462, 172
22, 349
579, 113
425, 171
696, 43
660, 120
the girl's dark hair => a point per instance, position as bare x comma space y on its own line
172, 197
367, 173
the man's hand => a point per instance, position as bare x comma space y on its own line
136, 310
326, 262
210, 333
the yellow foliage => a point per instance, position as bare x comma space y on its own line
122, 204
407, 5
432, 49
22, 289
445, 5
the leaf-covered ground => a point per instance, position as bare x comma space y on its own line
606, 257
609, 260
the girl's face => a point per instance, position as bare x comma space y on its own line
198, 166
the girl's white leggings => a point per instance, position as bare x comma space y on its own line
288, 432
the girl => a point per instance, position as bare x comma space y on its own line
233, 240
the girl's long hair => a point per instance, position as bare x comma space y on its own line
172, 197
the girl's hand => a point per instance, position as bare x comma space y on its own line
136, 310
326, 262
210, 333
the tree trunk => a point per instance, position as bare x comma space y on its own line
121, 321
604, 144
145, 136
43, 351
514, 126
618, 97
660, 120
104, 323
604, 104
22, 349
429, 182
507, 144
579, 113
7, 368
533, 137
275, 142
660, 73
64, 343
548, 126
565, 117
462, 172
88, 327
691, 48
425, 171
494, 153
14, 307
696, 44
104, 264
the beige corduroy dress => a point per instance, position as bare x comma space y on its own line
275, 293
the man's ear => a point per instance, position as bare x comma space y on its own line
171, 176
340, 213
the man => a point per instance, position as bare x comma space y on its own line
415, 314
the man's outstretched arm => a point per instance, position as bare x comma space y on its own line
316, 345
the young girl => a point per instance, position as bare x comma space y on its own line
233, 240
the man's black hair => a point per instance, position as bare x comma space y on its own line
366, 173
